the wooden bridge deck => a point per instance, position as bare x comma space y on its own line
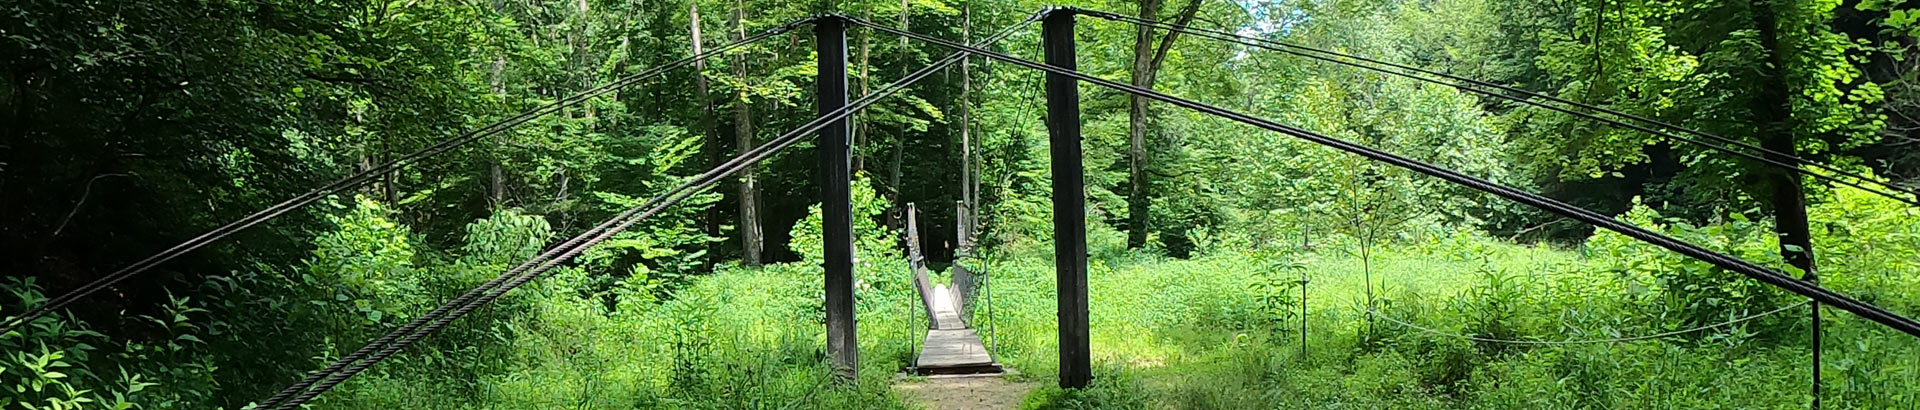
951, 347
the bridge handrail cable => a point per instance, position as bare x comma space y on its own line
344, 368
481, 290
1623, 339
356, 179
1527, 97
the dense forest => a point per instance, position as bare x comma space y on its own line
1231, 267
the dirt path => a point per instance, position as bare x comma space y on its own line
968, 393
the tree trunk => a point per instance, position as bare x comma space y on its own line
1773, 110
366, 163
713, 151
750, 235
964, 218
496, 172
582, 64
899, 140
860, 124
626, 49
1366, 274
393, 175
1146, 65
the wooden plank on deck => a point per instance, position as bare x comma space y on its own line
955, 351
946, 316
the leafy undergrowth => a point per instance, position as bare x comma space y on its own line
1222, 330
744, 338
741, 338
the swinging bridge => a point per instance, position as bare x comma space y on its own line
952, 346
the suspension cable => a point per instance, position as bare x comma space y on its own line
347, 367
525, 272
986, 262
489, 285
1757, 272
1438, 332
1527, 97
356, 179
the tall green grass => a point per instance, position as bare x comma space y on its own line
1170, 333
739, 339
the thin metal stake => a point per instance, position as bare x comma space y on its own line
1814, 278
993, 333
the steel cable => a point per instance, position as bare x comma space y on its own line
519, 275
1891, 191
1757, 272
356, 179
481, 290
1438, 332
345, 368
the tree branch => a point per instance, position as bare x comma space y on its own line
84, 193
1166, 43
374, 82
1516, 235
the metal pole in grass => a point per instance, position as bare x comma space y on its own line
913, 339
1816, 344
1306, 232
985, 276
993, 320
993, 334
913, 328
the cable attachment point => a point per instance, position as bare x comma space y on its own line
1049, 10
835, 16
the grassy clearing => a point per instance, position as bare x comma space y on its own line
1222, 330
1201, 334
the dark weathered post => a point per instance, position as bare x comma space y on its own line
836, 202
1069, 200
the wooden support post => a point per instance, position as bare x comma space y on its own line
1069, 200
836, 202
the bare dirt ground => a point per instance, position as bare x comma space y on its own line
968, 393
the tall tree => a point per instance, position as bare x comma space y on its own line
707, 123
496, 76
1773, 110
896, 217
751, 238
1147, 60
964, 218
580, 41
860, 122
